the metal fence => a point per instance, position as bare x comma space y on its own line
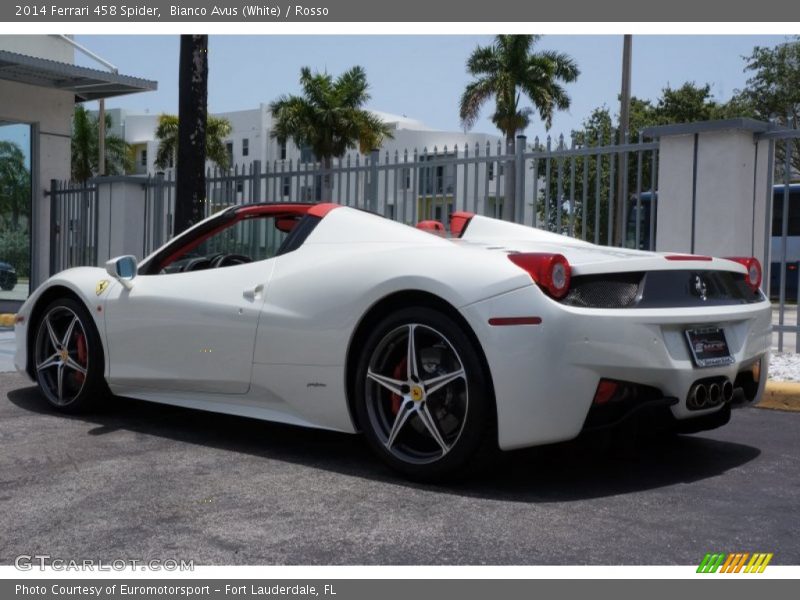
571, 189
567, 188
73, 225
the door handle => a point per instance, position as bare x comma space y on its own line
254, 293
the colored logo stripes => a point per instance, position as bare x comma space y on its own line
735, 562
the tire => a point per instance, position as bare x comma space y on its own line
430, 417
68, 357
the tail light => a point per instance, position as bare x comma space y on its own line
753, 267
551, 272
605, 391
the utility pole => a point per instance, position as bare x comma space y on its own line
190, 179
624, 124
101, 141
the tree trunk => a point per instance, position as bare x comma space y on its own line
190, 182
510, 180
327, 180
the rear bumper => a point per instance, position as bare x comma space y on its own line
545, 375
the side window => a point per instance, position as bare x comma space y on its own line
246, 240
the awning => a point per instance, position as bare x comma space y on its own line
86, 84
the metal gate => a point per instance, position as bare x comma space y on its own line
73, 225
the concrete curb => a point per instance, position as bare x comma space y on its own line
7, 319
781, 395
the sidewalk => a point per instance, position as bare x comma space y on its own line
7, 347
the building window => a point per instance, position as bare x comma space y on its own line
307, 155
143, 158
229, 148
287, 186
491, 171
283, 150
245, 147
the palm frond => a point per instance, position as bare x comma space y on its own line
510, 68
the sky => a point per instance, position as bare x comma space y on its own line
422, 76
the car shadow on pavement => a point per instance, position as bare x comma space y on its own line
577, 470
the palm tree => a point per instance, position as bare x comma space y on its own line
506, 70
217, 129
329, 118
85, 147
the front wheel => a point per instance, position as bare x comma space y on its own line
68, 357
422, 397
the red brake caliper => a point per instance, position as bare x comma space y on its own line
399, 373
80, 342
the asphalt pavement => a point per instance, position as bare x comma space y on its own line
142, 481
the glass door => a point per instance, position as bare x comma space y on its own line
15, 210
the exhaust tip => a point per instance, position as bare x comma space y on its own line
698, 396
727, 391
714, 394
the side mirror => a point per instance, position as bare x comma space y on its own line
123, 269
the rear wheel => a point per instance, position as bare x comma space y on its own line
422, 396
68, 358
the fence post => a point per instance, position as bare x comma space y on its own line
713, 189
374, 157
159, 213
255, 184
55, 226
519, 184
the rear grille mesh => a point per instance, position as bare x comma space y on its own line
619, 290
660, 289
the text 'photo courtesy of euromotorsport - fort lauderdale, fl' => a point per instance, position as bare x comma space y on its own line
185, 590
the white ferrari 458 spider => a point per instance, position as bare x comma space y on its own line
433, 344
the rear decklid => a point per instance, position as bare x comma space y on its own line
584, 258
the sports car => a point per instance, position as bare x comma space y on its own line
436, 344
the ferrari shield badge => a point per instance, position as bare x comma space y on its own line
101, 286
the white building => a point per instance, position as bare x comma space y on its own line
251, 140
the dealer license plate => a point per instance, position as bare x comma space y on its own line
709, 347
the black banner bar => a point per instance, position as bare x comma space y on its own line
371, 589
462, 11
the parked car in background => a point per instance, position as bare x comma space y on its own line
8, 276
